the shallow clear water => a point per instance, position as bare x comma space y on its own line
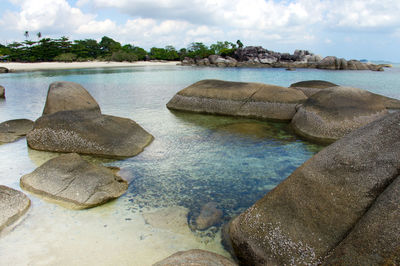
193, 160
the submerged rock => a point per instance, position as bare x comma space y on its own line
195, 257
2, 92
332, 113
256, 130
312, 211
375, 240
172, 218
88, 133
68, 96
209, 216
74, 183
12, 130
13, 205
238, 99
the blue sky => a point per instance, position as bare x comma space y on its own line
360, 29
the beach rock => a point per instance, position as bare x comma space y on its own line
2, 92
312, 211
203, 62
12, 130
173, 218
317, 84
88, 133
375, 240
209, 216
314, 59
390, 103
213, 58
329, 62
334, 112
187, 61
4, 70
238, 99
69, 96
310, 87
226, 240
230, 62
195, 257
74, 183
13, 205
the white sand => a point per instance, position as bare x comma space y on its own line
19, 67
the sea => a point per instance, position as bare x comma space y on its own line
194, 159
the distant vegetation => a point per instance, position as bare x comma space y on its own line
64, 50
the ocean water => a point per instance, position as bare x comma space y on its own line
194, 159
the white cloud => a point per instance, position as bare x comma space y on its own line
52, 17
97, 27
364, 14
276, 24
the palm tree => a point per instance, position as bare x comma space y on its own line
26, 34
39, 35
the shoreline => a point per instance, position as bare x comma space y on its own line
25, 67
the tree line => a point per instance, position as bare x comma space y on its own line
64, 50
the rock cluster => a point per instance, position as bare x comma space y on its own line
13, 204
257, 56
74, 183
327, 113
72, 122
2, 92
341, 207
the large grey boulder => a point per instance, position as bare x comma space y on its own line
2, 92
4, 70
68, 96
88, 133
310, 87
238, 99
13, 204
375, 240
195, 257
329, 62
74, 183
312, 211
12, 130
334, 112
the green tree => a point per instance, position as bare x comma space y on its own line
223, 48
140, 53
108, 45
239, 43
86, 49
198, 49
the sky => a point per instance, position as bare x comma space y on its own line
352, 29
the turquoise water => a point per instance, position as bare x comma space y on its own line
194, 158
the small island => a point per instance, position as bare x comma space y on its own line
219, 54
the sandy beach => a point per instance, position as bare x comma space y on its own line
21, 67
